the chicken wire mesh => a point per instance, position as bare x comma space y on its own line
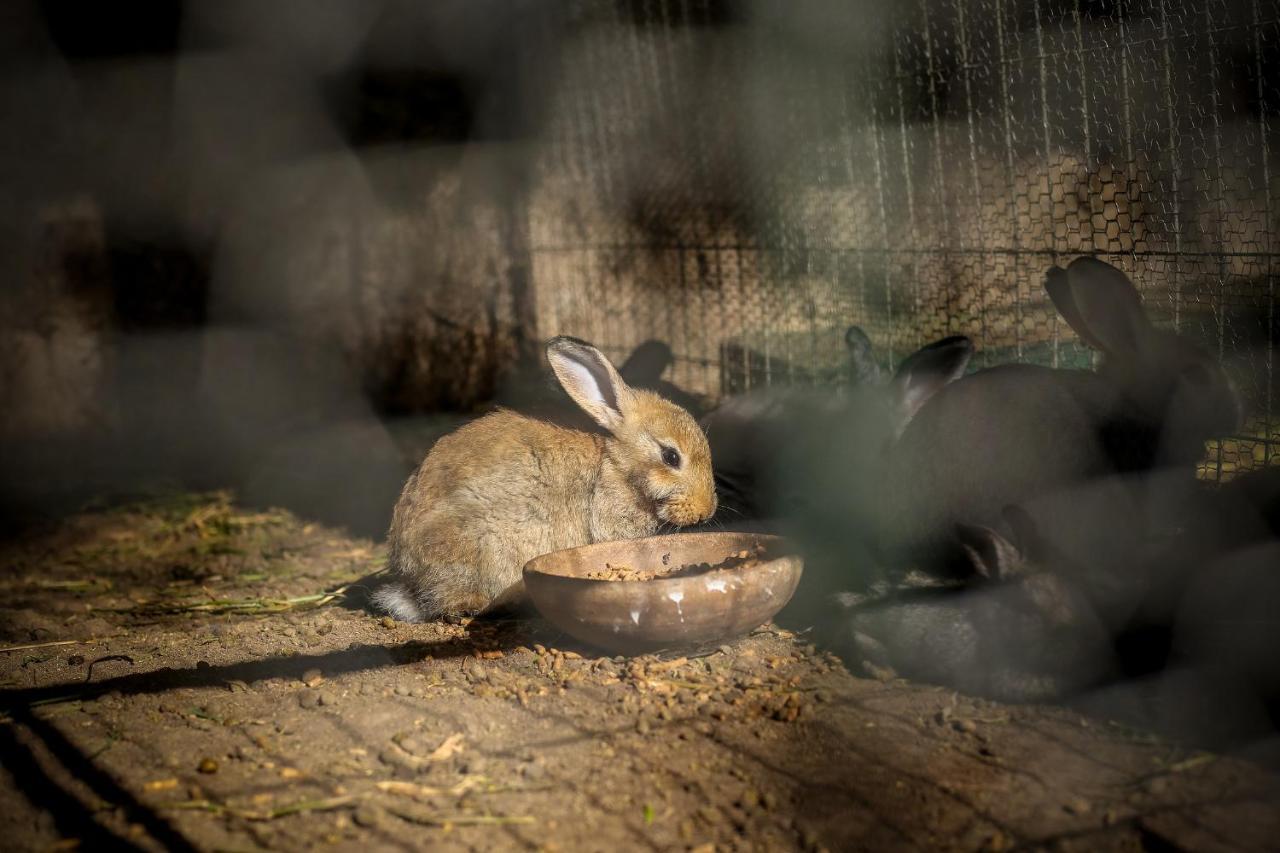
744, 181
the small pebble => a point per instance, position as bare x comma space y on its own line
367, 816
1078, 806
388, 622
966, 726
328, 699
308, 699
207, 765
312, 677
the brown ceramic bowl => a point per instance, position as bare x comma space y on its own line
633, 617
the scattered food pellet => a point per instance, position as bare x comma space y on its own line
1077, 806
207, 765
367, 816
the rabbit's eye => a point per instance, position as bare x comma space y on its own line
670, 456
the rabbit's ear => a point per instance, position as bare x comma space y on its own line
927, 371
647, 363
590, 380
862, 357
1026, 533
1100, 303
991, 555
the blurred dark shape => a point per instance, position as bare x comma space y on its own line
709, 13
644, 369
1227, 629
647, 362
288, 427
766, 444
93, 31
810, 464
205, 288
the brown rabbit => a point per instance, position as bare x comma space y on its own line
508, 487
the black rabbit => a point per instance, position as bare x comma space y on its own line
1012, 629
1008, 434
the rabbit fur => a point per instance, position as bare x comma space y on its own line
509, 487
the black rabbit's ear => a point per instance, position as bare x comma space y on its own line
590, 380
926, 372
991, 555
647, 363
1100, 304
862, 357
857, 340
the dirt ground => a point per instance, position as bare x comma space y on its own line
176, 677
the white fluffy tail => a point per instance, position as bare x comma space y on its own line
396, 600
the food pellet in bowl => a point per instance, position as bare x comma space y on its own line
742, 559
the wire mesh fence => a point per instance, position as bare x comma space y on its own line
746, 181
